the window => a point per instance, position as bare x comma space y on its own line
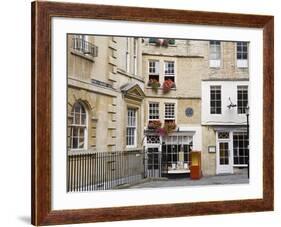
78, 127
242, 99
80, 44
242, 54
135, 56
224, 153
153, 139
127, 55
223, 135
153, 70
240, 148
154, 111
215, 100
169, 111
131, 131
169, 70
153, 67
215, 54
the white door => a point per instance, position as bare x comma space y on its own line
224, 157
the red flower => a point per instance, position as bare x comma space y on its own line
167, 85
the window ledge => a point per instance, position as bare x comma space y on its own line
132, 149
240, 165
160, 88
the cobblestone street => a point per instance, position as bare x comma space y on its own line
208, 180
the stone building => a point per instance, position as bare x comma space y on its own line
161, 98
180, 62
105, 88
225, 102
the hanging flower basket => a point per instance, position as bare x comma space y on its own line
168, 85
154, 124
161, 132
170, 127
162, 42
154, 84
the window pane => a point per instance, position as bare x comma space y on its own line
215, 50
74, 142
79, 117
242, 99
240, 141
131, 127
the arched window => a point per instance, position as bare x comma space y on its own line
78, 136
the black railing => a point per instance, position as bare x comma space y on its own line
84, 47
103, 170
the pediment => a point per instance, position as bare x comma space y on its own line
133, 91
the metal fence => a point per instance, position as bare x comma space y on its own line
84, 47
103, 170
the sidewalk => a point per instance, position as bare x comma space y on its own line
208, 180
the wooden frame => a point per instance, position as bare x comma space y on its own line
42, 12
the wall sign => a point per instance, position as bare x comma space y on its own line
212, 149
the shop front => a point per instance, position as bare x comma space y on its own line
168, 155
232, 150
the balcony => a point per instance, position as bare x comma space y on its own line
161, 42
83, 47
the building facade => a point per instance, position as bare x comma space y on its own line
225, 101
162, 98
105, 93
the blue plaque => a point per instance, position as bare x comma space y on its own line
189, 112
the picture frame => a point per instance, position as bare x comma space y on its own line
42, 14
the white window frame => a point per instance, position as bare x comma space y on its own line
215, 100
155, 67
155, 109
215, 49
79, 126
134, 126
242, 88
242, 62
167, 111
232, 141
166, 68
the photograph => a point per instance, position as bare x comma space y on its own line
144, 113
155, 112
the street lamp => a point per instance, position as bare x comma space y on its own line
247, 112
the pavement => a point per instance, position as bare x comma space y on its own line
184, 181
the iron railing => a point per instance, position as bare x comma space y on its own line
103, 170
84, 47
